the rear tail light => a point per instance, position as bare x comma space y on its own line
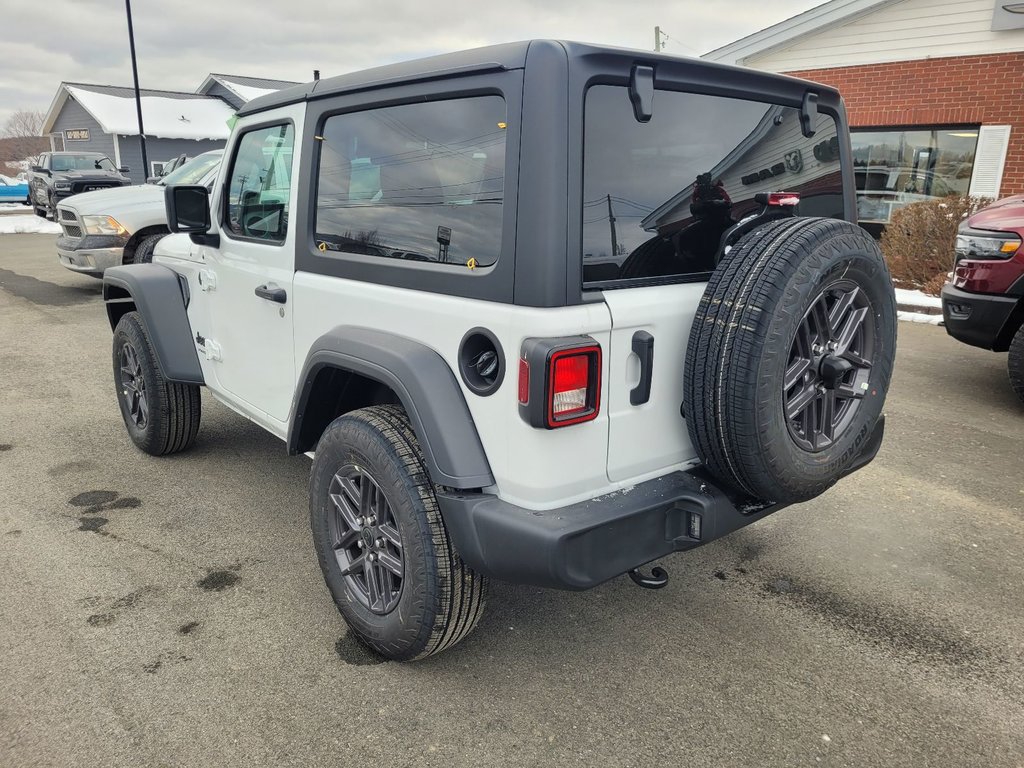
569, 392
570, 383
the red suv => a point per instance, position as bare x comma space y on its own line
984, 305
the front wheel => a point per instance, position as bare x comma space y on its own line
383, 548
144, 251
1015, 364
161, 417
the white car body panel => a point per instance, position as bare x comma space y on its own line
666, 312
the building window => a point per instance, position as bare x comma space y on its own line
894, 167
419, 182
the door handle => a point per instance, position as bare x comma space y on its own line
643, 347
278, 295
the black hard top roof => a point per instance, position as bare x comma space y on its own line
490, 58
496, 57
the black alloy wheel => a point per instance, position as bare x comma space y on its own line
366, 539
160, 416
133, 386
829, 366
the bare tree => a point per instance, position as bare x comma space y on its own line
22, 132
24, 123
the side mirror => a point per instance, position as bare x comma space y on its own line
124, 170
36, 168
188, 209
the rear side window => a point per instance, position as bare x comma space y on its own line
419, 182
658, 196
260, 186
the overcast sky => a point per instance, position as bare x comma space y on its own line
179, 42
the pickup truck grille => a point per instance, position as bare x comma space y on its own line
88, 186
69, 222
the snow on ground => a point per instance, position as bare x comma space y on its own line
14, 207
27, 224
917, 299
919, 317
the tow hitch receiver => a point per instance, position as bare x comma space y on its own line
657, 579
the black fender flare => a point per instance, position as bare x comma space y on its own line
426, 387
161, 299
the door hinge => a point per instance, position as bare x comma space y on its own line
212, 350
207, 280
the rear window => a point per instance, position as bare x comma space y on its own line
658, 196
419, 182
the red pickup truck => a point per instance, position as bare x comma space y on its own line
984, 304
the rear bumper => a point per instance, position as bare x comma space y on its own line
585, 544
91, 254
976, 318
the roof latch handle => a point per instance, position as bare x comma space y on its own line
809, 114
641, 92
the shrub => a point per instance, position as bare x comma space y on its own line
918, 242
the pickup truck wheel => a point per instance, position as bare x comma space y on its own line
51, 207
383, 548
161, 417
789, 357
1015, 364
144, 250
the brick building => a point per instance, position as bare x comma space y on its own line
933, 90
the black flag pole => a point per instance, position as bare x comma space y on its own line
138, 98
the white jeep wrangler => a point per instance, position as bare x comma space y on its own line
543, 312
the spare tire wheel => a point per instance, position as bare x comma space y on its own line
789, 357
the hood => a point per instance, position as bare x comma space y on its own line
117, 200
1003, 215
82, 174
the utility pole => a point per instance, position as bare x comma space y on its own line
611, 222
658, 45
138, 98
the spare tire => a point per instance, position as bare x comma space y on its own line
789, 357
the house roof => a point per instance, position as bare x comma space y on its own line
246, 88
165, 114
785, 33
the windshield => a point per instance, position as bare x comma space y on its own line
81, 163
193, 171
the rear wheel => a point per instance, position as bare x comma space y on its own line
382, 545
1015, 364
161, 417
790, 357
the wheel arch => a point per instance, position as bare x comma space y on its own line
161, 299
351, 367
1010, 327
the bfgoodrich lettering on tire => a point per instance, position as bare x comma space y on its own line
382, 545
161, 417
790, 357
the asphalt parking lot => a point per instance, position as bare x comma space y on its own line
159, 612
